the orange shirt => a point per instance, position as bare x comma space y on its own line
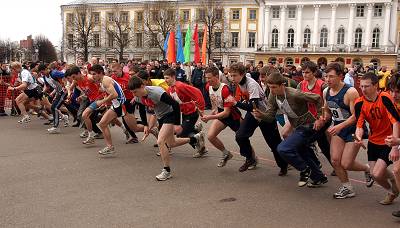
380, 114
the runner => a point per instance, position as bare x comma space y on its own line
339, 105
223, 113
378, 110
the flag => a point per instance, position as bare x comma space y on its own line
204, 46
196, 45
188, 38
180, 57
171, 56
166, 44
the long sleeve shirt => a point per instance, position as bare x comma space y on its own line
297, 101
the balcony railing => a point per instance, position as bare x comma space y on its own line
390, 49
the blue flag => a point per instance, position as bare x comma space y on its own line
180, 57
166, 44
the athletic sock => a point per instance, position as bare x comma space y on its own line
167, 168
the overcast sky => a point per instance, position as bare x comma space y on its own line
20, 18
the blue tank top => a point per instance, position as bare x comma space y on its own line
340, 111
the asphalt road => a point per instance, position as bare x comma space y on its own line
56, 181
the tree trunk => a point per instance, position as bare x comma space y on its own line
121, 54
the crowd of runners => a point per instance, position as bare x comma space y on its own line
315, 106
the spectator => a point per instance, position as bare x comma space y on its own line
5, 75
383, 76
348, 78
198, 81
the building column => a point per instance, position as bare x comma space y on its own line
282, 27
316, 26
388, 6
260, 28
267, 28
367, 40
333, 25
299, 27
350, 32
243, 29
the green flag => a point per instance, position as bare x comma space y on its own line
186, 51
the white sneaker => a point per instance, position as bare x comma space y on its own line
84, 134
89, 140
53, 130
198, 126
66, 120
25, 119
200, 145
107, 151
164, 175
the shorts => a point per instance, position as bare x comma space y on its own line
33, 93
93, 105
376, 152
188, 123
168, 118
231, 123
129, 107
346, 134
118, 110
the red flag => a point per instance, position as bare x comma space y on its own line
171, 56
204, 46
196, 45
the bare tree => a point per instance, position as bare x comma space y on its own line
211, 14
81, 24
119, 31
8, 51
159, 19
46, 51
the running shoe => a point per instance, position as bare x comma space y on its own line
107, 151
369, 181
198, 127
344, 192
65, 118
225, 158
318, 183
247, 164
25, 119
164, 175
53, 130
84, 134
200, 145
304, 176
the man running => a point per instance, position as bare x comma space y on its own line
223, 113
378, 110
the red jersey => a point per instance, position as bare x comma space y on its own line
317, 89
123, 82
187, 96
91, 89
218, 98
380, 114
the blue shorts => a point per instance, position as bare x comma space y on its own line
93, 105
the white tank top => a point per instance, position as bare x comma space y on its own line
217, 101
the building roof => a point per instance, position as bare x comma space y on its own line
78, 2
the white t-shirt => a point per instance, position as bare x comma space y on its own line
27, 77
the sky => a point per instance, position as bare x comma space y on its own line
21, 18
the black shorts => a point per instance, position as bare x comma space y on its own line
33, 93
118, 110
376, 152
347, 133
167, 119
231, 123
188, 123
129, 107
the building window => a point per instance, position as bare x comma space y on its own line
154, 16
375, 38
139, 16
307, 36
70, 18
360, 11
340, 36
292, 12
153, 40
110, 40
110, 17
323, 40
290, 39
235, 14
275, 12
217, 39
252, 14
185, 15
378, 10
96, 40
218, 14
252, 40
70, 40
235, 39
139, 40
202, 14
358, 38
170, 15
274, 40
96, 18
124, 17
183, 38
